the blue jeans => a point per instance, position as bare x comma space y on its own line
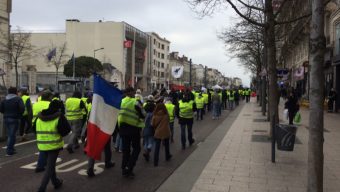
157, 148
12, 126
42, 159
119, 143
216, 108
148, 142
183, 135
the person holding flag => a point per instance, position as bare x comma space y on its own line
106, 103
130, 122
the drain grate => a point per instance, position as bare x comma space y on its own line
260, 120
266, 139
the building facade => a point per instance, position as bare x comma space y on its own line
160, 62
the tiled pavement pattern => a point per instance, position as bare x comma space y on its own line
240, 165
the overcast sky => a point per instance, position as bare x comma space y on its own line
172, 19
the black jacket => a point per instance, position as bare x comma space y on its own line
12, 107
63, 126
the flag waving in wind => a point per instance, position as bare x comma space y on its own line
103, 117
51, 54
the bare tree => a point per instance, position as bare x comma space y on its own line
19, 49
317, 49
59, 59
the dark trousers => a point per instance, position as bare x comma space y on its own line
247, 98
130, 157
157, 148
25, 125
42, 160
50, 173
183, 134
171, 125
291, 116
108, 155
12, 126
224, 104
330, 105
200, 113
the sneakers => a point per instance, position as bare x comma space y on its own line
39, 169
128, 173
59, 184
109, 165
168, 158
90, 173
146, 157
191, 142
70, 150
10, 154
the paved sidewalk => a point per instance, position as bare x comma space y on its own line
242, 160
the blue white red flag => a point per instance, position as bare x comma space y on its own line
51, 54
103, 117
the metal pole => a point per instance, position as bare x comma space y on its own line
74, 66
190, 66
273, 137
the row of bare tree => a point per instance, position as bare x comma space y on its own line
253, 40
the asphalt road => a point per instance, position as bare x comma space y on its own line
17, 172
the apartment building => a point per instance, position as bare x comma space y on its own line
160, 61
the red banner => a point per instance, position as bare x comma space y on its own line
127, 44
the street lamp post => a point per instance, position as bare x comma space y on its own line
94, 61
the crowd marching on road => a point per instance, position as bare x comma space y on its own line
141, 120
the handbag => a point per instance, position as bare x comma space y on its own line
297, 118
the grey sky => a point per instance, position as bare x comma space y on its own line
172, 19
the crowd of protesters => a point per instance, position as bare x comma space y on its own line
144, 123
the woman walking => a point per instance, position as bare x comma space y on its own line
160, 122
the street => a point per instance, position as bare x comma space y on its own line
17, 172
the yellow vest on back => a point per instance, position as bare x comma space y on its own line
24, 99
199, 102
171, 110
73, 111
185, 109
38, 107
48, 137
128, 113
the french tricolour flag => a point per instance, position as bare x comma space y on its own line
103, 117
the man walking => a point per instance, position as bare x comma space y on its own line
26, 119
12, 108
74, 114
131, 122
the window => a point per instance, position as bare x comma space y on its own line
154, 52
162, 74
159, 45
159, 55
337, 39
162, 65
158, 64
167, 48
158, 73
154, 41
162, 55
162, 46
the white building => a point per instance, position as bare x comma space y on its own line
116, 43
160, 64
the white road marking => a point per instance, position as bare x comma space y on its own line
23, 143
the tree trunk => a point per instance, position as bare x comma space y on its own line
56, 79
16, 75
316, 58
271, 61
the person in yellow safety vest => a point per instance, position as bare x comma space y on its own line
130, 122
206, 101
37, 108
171, 111
50, 127
240, 93
185, 113
74, 107
248, 91
231, 99
200, 106
26, 119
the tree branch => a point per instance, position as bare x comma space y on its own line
243, 16
293, 20
250, 6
